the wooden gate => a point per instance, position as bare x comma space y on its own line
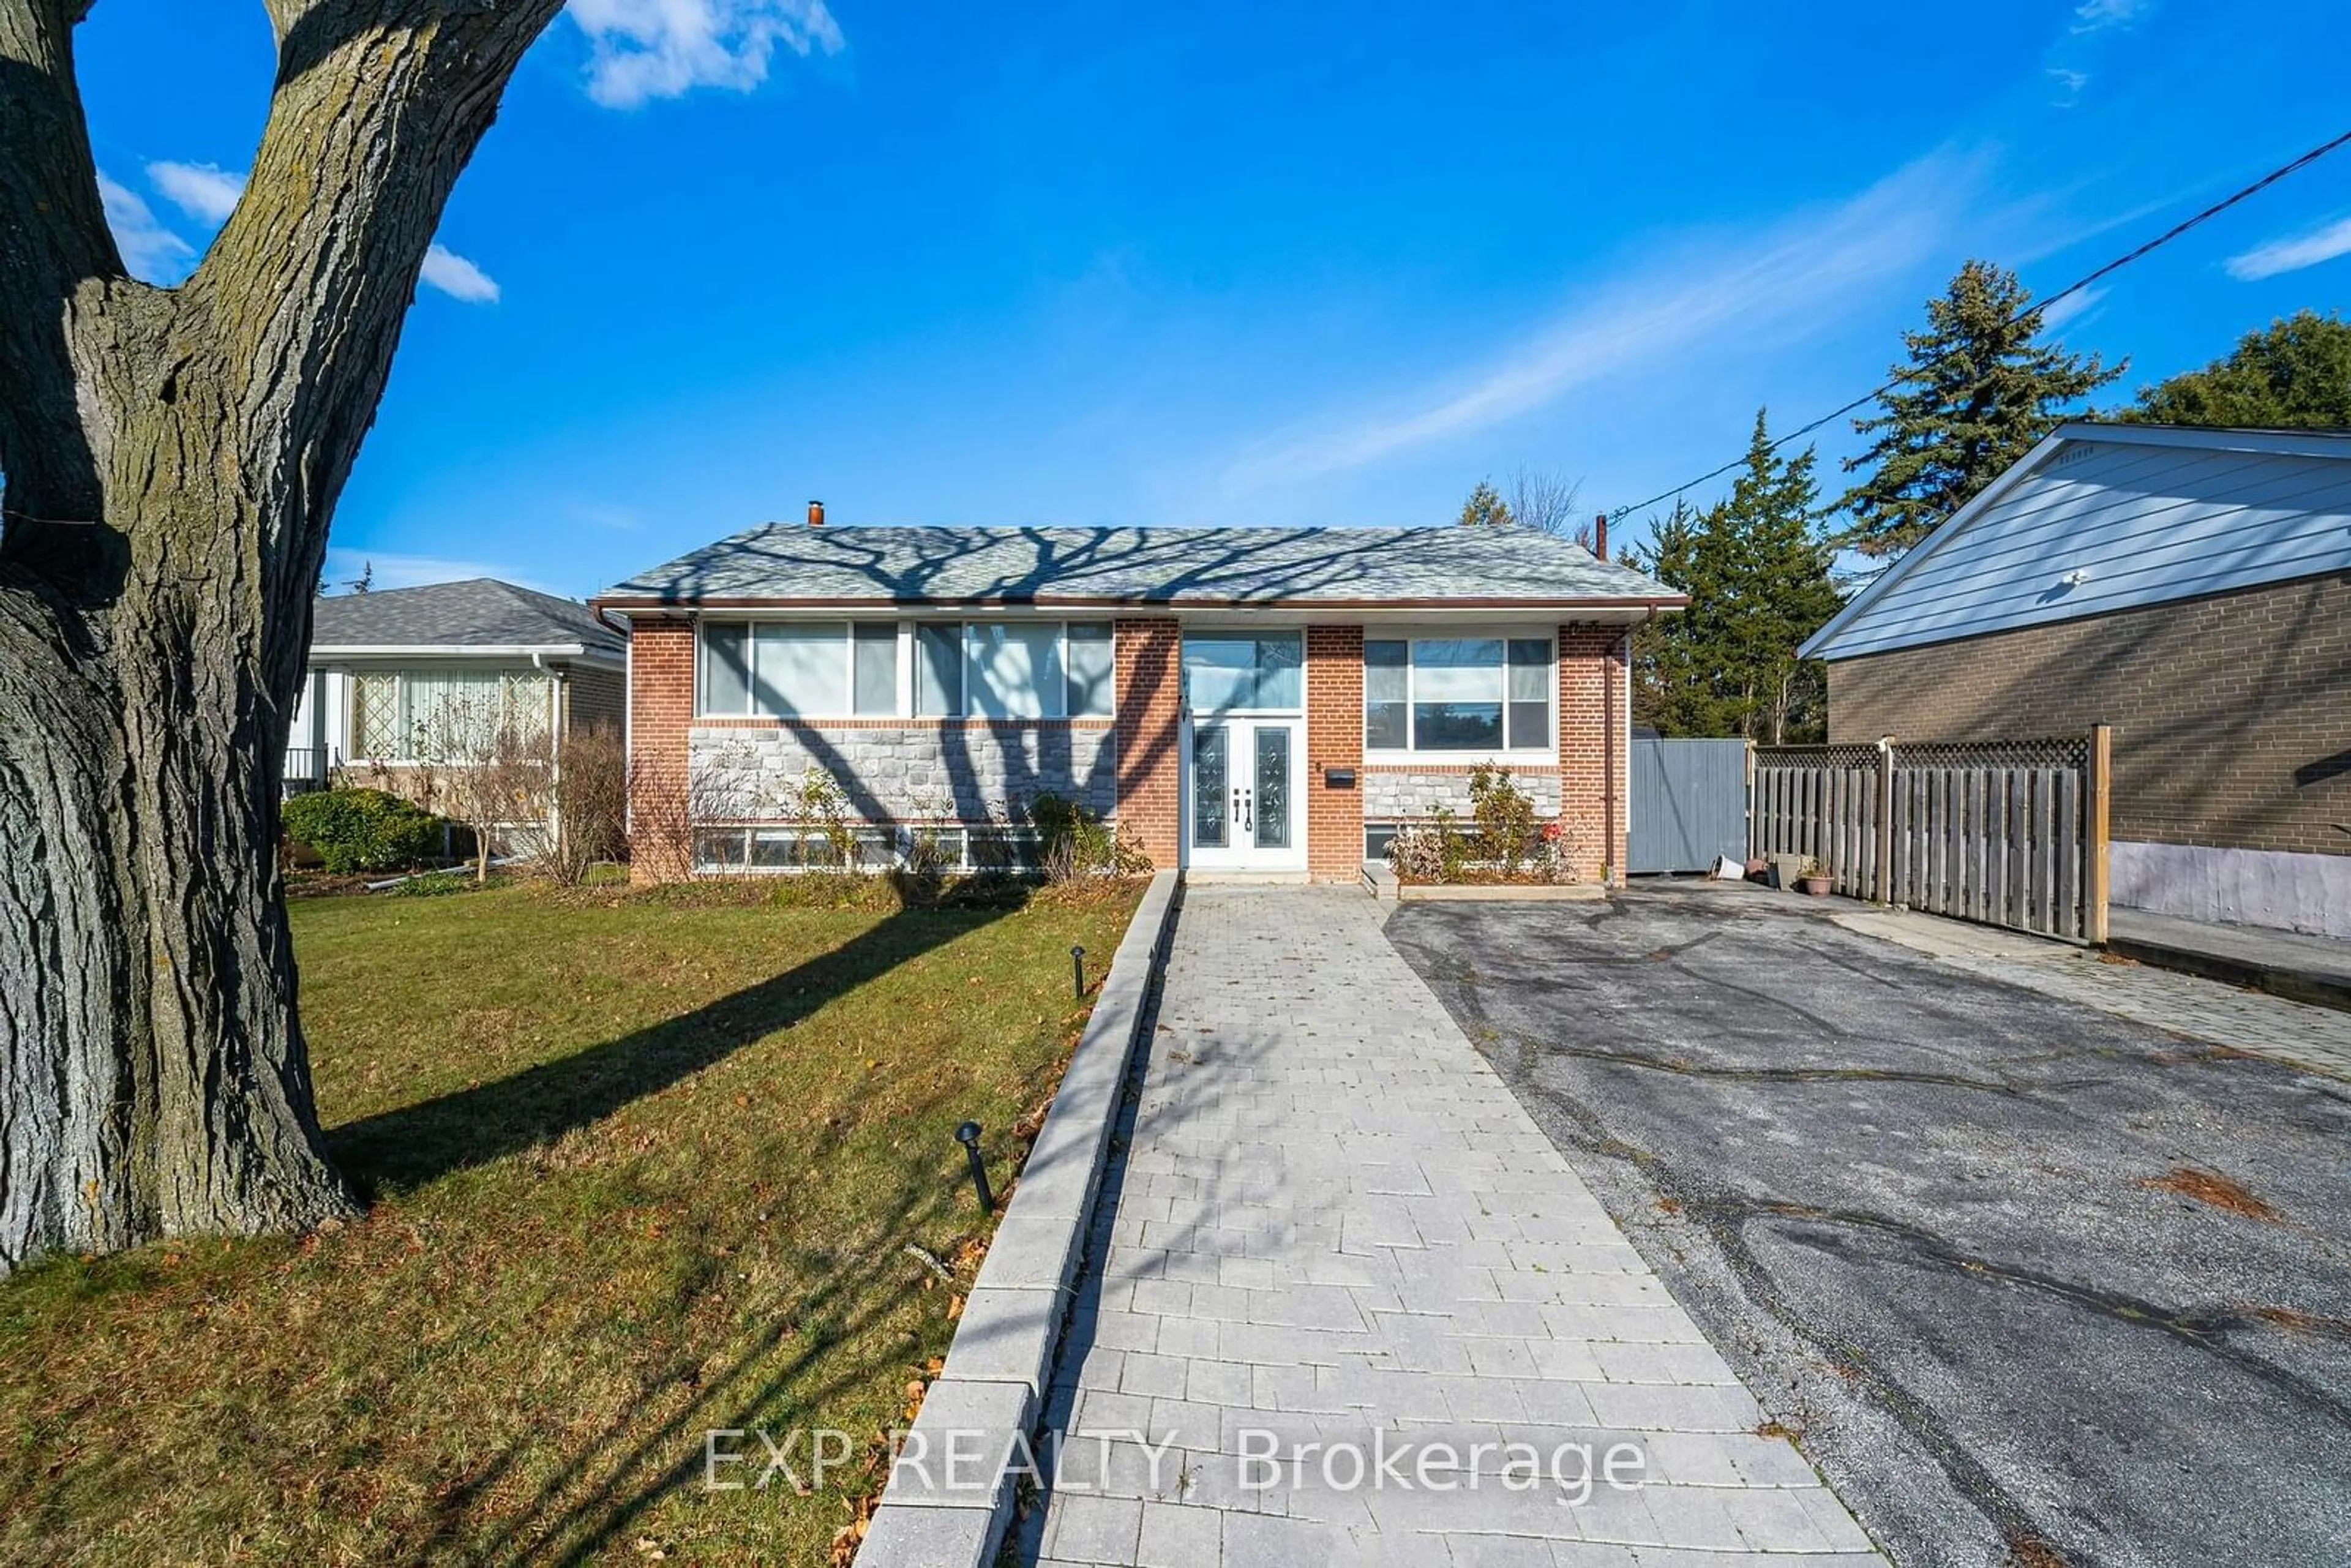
2006, 833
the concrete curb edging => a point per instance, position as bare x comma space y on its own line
2294, 984
1002, 1357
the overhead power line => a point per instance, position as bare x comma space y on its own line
2165, 237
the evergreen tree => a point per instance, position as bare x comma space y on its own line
1485, 509
1759, 573
1979, 390
1673, 665
2295, 374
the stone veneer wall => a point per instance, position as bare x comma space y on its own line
1128, 769
954, 770
1394, 794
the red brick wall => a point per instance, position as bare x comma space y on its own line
661, 710
1334, 738
592, 698
1149, 705
1593, 689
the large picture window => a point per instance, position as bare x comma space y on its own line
1457, 693
832, 669
1228, 673
443, 715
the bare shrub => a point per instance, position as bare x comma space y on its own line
588, 800
492, 764
672, 804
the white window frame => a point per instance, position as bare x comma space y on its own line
908, 652
1026, 861
845, 699
1413, 635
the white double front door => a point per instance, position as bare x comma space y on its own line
1243, 795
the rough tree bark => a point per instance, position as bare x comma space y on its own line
171, 460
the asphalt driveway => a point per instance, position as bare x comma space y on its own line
2034, 1282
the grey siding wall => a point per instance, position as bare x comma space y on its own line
2140, 524
960, 771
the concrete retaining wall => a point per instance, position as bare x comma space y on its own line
2246, 887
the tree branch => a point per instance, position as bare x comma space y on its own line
298, 304
53, 239
52, 223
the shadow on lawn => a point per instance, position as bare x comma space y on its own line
608, 1481
614, 1478
416, 1143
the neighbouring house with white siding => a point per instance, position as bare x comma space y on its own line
2191, 587
384, 663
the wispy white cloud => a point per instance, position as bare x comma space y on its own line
643, 49
345, 566
1656, 310
2292, 253
203, 191
149, 249
453, 275
2070, 308
2097, 16
597, 514
2072, 56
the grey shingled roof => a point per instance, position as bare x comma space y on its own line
789, 563
479, 613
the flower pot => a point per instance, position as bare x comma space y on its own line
1818, 886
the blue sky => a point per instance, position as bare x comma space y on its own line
1227, 263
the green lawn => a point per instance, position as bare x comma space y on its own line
641, 1166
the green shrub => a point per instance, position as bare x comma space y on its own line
1506, 818
1073, 841
362, 830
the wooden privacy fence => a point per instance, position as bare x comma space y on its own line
2007, 833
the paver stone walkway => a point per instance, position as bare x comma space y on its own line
1335, 1226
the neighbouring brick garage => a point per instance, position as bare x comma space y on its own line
2231, 715
2188, 587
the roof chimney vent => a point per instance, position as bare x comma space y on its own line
1600, 536
816, 514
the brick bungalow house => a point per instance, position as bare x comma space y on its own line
382, 663
1243, 701
2191, 587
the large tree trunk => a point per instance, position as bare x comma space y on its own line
171, 460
